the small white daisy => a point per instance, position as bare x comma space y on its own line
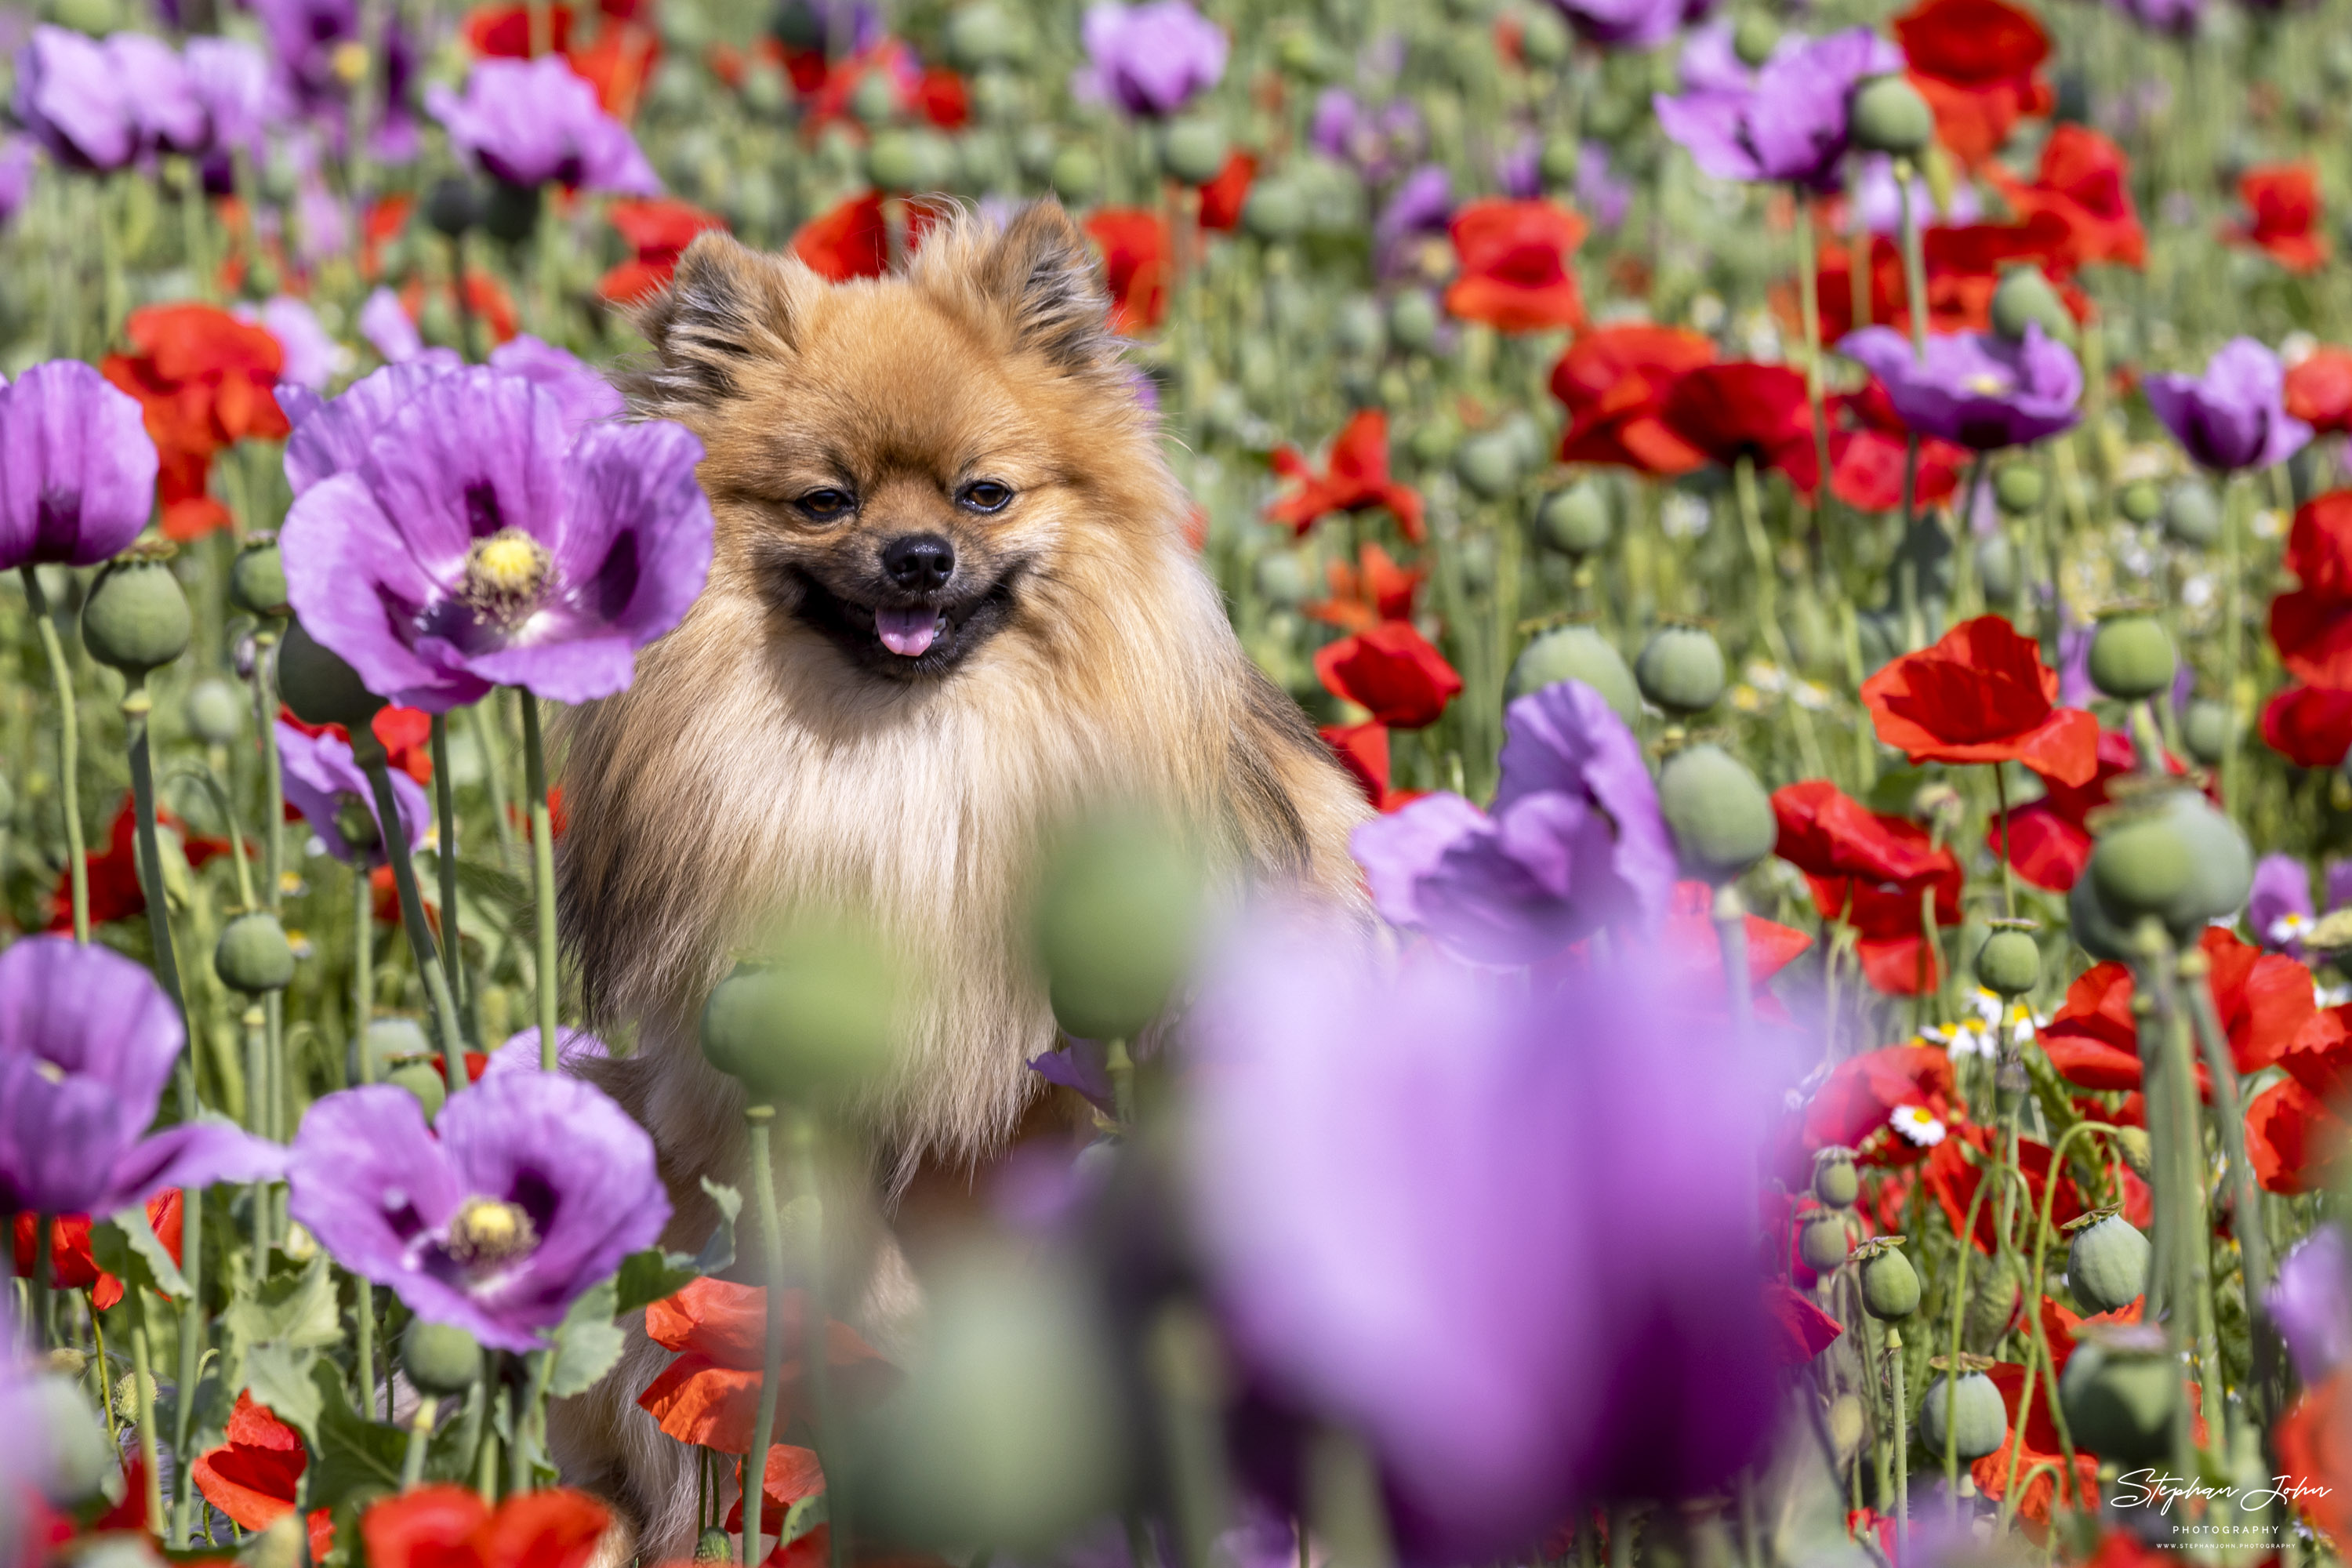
1918, 1125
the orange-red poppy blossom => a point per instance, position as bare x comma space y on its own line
1355, 477
1977, 64
1613, 381
2264, 999
710, 1394
2320, 390
1391, 670
658, 230
1983, 695
1514, 273
1364, 596
2084, 180
72, 1266
2312, 625
1223, 198
443, 1526
204, 380
1759, 412
2281, 203
853, 239
1138, 258
255, 1476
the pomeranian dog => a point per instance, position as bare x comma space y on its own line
952, 606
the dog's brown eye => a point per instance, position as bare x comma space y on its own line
827, 505
986, 495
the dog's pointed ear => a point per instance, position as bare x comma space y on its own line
1043, 274
726, 307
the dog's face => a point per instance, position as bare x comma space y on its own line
915, 466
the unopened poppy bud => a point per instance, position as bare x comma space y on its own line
2106, 1261
2192, 515
1193, 149
215, 713
1996, 568
1432, 442
1076, 175
136, 617
2023, 298
1721, 818
1276, 212
510, 215
1681, 669
2142, 868
816, 1016
440, 1359
1577, 653
1283, 578
1117, 923
253, 954
1963, 1411
1561, 158
1824, 1239
453, 206
1575, 520
893, 162
1754, 38
1413, 320
1890, 1286
1889, 116
1489, 465
319, 687
874, 100
982, 34
423, 1081
2019, 489
1543, 39
2206, 730
2117, 1393
2131, 656
714, 1545
257, 579
2142, 500
2010, 961
1835, 1180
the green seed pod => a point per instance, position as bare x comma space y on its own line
2206, 730
1360, 328
253, 954
1489, 465
1558, 164
893, 162
816, 1017
136, 617
2221, 858
1575, 652
2131, 656
1890, 1286
1275, 211
1996, 571
1076, 175
2023, 298
452, 206
1117, 923
2192, 515
1835, 1180
2107, 1262
2142, 501
314, 682
714, 1545
510, 215
1889, 116
874, 100
2019, 489
440, 1359
2096, 929
1544, 41
1431, 445
257, 580
2117, 1393
1284, 578
2010, 961
1575, 520
215, 712
1978, 1420
1720, 817
392, 1041
1680, 670
984, 35
1825, 1239
2143, 867
1413, 322
424, 1080
1754, 38
1193, 149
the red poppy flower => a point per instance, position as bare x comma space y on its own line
853, 239
1363, 596
254, 1477
71, 1266
1137, 257
1613, 380
1869, 444
1825, 832
405, 733
2312, 626
2029, 1443
1695, 950
2050, 840
710, 1394
1885, 915
1223, 198
2311, 1442
505, 31
1851, 1106
204, 380
2294, 1140
1951, 1177
486, 297
2320, 390
618, 64
1975, 62
114, 891
2085, 182
1357, 479
2282, 200
380, 224
1983, 695
659, 231
790, 1475
444, 1526
1514, 273
1800, 1329
1363, 750
2264, 1000
1743, 410
2310, 726
941, 99
1393, 670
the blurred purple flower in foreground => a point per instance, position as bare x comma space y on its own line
1152, 59
528, 123
1507, 1237
1977, 389
2312, 1303
87, 1041
477, 542
531, 1188
2234, 415
1631, 24
1575, 841
76, 468
1790, 124
1877, 198
69, 96
335, 798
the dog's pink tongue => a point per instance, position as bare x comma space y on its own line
906, 632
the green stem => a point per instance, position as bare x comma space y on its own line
137, 705
1121, 1068
68, 747
2179, 1212
486, 1457
1902, 1445
445, 819
363, 966
800, 1129
45, 1294
1809, 311
756, 1121
2245, 1201
142, 1379
530, 1423
420, 1439
364, 1349
2041, 1339
2008, 873
256, 1118
1915, 261
1768, 601
273, 773
485, 724
542, 873
368, 752
1730, 915
2232, 641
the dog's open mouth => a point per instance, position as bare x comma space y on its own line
905, 642
909, 631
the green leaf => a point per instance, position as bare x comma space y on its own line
125, 1246
279, 1376
298, 1311
587, 1344
349, 1454
647, 1277
717, 1254
450, 1455
804, 1516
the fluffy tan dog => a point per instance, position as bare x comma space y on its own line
951, 605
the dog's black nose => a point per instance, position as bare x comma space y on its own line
918, 562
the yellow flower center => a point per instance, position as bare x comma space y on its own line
349, 62
504, 574
487, 1232
1989, 383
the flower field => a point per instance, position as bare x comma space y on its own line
1727, 938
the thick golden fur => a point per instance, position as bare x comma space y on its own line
755, 766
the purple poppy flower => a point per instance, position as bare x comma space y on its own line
1575, 841
332, 793
1878, 200
2233, 416
1792, 123
158, 93
476, 546
231, 81
1423, 204
1519, 169
1150, 59
1631, 24
1412, 1197
332, 438
87, 1041
581, 394
2312, 1303
1376, 143
1080, 1065
313, 358
17, 161
1710, 62
2278, 909
520, 1053
531, 122
310, 41
69, 96
1599, 193
2335, 880
386, 327
530, 1187
76, 468
2176, 18
1977, 389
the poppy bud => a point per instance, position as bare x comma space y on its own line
1890, 1286
1720, 817
1561, 157
1680, 670
714, 1545
2019, 489
1575, 520
1889, 116
1489, 465
2023, 298
1276, 212
1412, 320
2142, 500
2131, 656
1543, 39
2191, 514
1575, 652
2092, 926
257, 579
1076, 176
1283, 578
253, 954
1193, 149
510, 215
319, 687
423, 1081
2010, 961
874, 100
2117, 1393
1996, 568
1433, 441
893, 162
2143, 869
816, 1016
1360, 328
215, 712
1754, 38
452, 208
1835, 1180
1965, 1414
440, 1359
1826, 1239
2206, 730
984, 35
2107, 1262
1118, 923
136, 617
